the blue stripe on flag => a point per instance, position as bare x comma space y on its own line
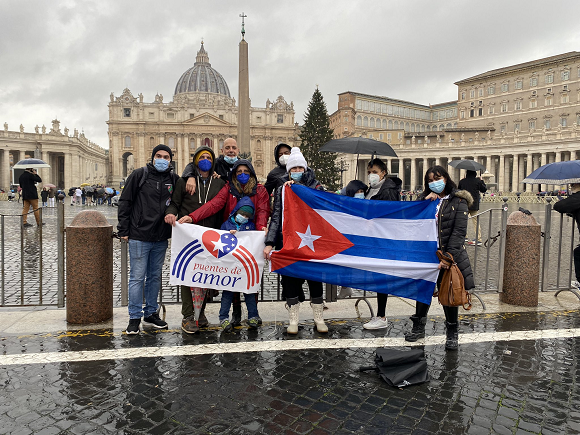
416, 289
319, 200
402, 250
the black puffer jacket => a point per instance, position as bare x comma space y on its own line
274, 237
571, 206
275, 176
452, 227
141, 213
390, 190
474, 186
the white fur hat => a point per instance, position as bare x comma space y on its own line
296, 160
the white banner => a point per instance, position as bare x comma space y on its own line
208, 258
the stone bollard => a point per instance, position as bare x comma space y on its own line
521, 277
89, 269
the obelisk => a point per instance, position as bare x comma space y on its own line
244, 96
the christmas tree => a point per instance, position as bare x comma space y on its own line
316, 132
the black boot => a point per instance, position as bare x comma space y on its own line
237, 315
418, 330
452, 341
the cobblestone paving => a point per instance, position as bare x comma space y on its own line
28, 294
503, 387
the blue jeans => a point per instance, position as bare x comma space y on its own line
227, 298
145, 278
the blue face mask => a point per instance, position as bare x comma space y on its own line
204, 165
241, 219
230, 160
437, 186
243, 178
296, 176
359, 195
161, 164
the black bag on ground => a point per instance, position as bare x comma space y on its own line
400, 367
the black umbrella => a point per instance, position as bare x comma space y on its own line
400, 367
359, 145
470, 165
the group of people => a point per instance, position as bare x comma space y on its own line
91, 195
224, 193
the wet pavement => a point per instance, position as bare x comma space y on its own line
514, 373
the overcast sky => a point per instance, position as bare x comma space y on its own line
64, 58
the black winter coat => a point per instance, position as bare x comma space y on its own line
274, 236
571, 206
390, 190
141, 212
274, 179
28, 182
452, 228
474, 186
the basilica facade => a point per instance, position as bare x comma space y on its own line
512, 120
201, 113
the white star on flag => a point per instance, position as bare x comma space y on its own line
218, 246
307, 239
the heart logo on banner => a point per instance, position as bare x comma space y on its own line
219, 246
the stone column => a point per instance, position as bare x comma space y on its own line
115, 158
528, 170
439, 161
243, 100
501, 185
413, 180
515, 173
5, 169
543, 161
21, 156
142, 157
425, 167
68, 179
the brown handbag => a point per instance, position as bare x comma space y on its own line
451, 292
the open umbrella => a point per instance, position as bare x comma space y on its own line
469, 165
31, 163
109, 190
198, 295
85, 184
49, 186
358, 145
556, 173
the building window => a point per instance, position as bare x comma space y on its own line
480, 92
127, 141
170, 115
280, 119
396, 125
345, 128
388, 136
171, 142
372, 122
491, 90
519, 84
534, 81
463, 93
480, 111
380, 136
358, 104
549, 78
518, 105
565, 75
127, 113
370, 136
491, 110
462, 114
152, 142
502, 128
222, 116
547, 124
472, 93
565, 98
471, 113
192, 144
365, 105
532, 125
400, 136
365, 121
384, 124
564, 122
359, 121
533, 103
504, 107
151, 115
517, 126
390, 124
548, 101
505, 87
258, 119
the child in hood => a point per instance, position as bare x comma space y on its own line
241, 219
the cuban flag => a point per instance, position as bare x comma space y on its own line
380, 246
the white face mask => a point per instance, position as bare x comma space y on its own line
374, 179
283, 159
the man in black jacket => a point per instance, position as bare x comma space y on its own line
141, 214
571, 206
27, 182
474, 185
276, 175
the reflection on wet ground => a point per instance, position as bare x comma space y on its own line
517, 385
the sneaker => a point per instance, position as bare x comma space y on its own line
237, 316
376, 323
479, 244
259, 320
253, 323
26, 225
133, 327
188, 325
154, 321
471, 243
202, 321
44, 223
226, 325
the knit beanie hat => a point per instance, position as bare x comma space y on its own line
247, 209
161, 147
198, 155
296, 160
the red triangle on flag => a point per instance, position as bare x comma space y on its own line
307, 236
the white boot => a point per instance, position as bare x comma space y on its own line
293, 311
318, 309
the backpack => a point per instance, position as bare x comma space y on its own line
451, 292
145, 174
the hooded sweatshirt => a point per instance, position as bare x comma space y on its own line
275, 176
183, 203
229, 196
231, 224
